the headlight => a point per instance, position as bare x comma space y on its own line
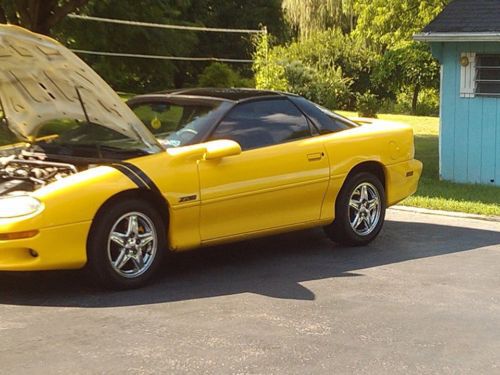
18, 205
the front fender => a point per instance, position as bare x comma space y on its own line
74, 199
62, 226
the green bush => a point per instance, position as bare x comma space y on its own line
268, 66
367, 104
221, 75
325, 67
247, 82
405, 70
387, 105
428, 102
330, 90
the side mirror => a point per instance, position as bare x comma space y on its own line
221, 149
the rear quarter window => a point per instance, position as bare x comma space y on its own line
325, 120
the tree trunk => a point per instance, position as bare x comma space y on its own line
3, 17
414, 101
38, 15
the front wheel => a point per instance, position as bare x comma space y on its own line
359, 211
126, 244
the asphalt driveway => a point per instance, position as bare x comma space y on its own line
423, 298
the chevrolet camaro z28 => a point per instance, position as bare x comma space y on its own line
89, 181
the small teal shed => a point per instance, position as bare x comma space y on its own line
465, 38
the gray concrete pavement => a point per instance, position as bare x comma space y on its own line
423, 298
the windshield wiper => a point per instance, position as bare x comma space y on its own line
87, 118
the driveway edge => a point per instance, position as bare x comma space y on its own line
446, 213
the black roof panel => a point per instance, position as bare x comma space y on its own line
462, 16
223, 93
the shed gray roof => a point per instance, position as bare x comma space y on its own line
472, 20
467, 16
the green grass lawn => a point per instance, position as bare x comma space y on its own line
432, 192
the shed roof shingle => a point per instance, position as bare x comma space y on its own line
462, 16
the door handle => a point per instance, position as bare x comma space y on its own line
316, 156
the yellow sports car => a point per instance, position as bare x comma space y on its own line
89, 181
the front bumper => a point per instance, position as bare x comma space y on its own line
56, 248
402, 180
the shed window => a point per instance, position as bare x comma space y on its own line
487, 75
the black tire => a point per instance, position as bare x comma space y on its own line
102, 250
341, 230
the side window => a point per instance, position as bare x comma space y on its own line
263, 123
325, 120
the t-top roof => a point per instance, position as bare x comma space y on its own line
223, 93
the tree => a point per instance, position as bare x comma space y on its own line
37, 15
325, 67
132, 74
309, 16
142, 75
267, 66
383, 24
234, 14
410, 65
387, 27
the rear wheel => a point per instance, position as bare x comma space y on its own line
126, 245
359, 211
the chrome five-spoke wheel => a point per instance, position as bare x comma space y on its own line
132, 244
127, 244
364, 209
359, 210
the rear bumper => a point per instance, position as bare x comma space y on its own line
402, 180
55, 248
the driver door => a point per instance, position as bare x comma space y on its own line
278, 181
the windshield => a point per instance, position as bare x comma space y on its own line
176, 123
75, 132
83, 139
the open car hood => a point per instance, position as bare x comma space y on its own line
40, 80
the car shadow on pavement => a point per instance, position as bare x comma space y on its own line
273, 266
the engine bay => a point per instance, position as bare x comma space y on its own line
29, 171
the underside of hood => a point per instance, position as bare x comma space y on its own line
40, 80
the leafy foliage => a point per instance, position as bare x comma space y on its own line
383, 24
387, 26
141, 75
344, 49
221, 75
268, 66
37, 15
368, 104
326, 66
235, 14
428, 103
310, 16
410, 65
329, 88
131, 74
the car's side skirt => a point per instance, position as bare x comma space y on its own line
265, 232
